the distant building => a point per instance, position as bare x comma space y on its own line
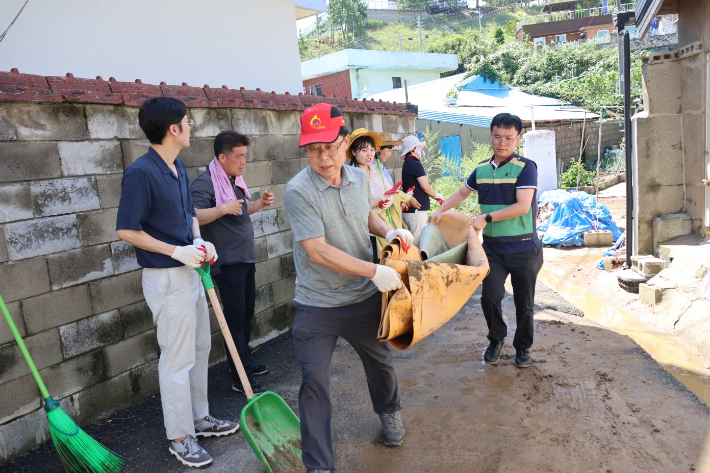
357, 73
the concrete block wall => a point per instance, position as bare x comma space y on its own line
74, 290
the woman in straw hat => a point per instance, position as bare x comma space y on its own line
362, 148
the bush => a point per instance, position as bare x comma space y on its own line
568, 179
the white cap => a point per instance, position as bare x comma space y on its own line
410, 142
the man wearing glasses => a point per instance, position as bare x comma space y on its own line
337, 285
157, 216
507, 193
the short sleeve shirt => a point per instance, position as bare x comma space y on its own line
232, 235
412, 169
318, 209
158, 202
527, 179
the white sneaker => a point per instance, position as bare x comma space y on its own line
189, 452
211, 427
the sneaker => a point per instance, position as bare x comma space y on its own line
492, 353
211, 427
256, 386
189, 452
393, 429
522, 358
259, 370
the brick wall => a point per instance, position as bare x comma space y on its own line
336, 84
73, 289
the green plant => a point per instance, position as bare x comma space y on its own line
575, 174
498, 36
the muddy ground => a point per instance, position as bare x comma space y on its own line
593, 401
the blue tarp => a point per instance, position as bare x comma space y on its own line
575, 213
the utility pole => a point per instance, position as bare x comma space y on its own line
400, 42
419, 25
480, 30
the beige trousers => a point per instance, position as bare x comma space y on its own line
415, 222
177, 300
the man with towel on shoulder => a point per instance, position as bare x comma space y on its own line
219, 195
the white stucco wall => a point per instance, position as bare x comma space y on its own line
238, 43
380, 80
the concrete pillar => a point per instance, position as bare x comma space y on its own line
539, 146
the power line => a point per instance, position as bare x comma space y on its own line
2, 36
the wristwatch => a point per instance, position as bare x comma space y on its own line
489, 219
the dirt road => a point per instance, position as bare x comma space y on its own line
593, 401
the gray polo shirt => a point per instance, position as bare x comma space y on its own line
318, 209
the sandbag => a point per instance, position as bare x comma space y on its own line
432, 292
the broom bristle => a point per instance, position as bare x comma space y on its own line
78, 451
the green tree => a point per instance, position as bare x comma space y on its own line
344, 14
498, 36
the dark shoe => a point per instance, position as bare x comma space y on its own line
393, 429
259, 370
256, 386
211, 427
492, 353
310, 470
190, 453
522, 358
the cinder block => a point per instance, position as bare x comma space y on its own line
262, 252
63, 196
41, 236
282, 172
75, 374
395, 124
23, 279
200, 152
261, 275
217, 351
278, 191
56, 308
109, 190
284, 223
271, 270
609, 263
284, 290
361, 120
671, 226
16, 202
80, 265
132, 150
115, 292
303, 163
268, 148
249, 121
44, 348
291, 148
136, 318
265, 222
210, 121
635, 260
283, 123
131, 352
144, 380
279, 243
288, 267
23, 434
377, 123
89, 333
7, 125
108, 122
276, 319
50, 122
105, 397
264, 298
98, 227
124, 257
258, 173
20, 396
650, 294
651, 266
22, 161
80, 158
598, 238
261, 324
15, 310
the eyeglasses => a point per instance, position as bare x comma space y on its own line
329, 150
504, 140
190, 123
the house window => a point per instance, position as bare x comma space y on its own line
396, 82
603, 36
561, 38
539, 41
317, 90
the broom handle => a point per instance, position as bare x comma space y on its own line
23, 349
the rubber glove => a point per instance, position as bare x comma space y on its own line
211, 252
386, 279
385, 202
189, 255
439, 196
404, 235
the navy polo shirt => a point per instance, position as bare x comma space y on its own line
156, 201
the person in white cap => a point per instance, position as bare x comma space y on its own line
414, 175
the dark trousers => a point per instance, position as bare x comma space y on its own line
523, 268
237, 289
315, 331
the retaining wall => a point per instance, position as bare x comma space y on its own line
73, 289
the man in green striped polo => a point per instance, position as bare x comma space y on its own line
507, 193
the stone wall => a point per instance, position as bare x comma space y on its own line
74, 290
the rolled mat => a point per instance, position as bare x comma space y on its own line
432, 292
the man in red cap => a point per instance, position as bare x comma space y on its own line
337, 285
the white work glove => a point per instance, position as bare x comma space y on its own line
386, 201
189, 255
386, 279
211, 252
438, 196
405, 235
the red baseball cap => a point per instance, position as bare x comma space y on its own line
321, 124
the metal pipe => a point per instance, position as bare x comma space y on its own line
625, 56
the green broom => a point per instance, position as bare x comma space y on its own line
77, 450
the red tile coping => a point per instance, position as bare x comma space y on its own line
15, 86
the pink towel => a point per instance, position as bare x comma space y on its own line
223, 190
